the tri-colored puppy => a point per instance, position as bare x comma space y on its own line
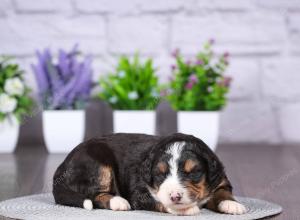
177, 174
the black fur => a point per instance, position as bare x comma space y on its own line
132, 157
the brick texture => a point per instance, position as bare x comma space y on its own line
107, 6
262, 36
146, 34
281, 79
42, 6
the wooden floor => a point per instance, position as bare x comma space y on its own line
261, 171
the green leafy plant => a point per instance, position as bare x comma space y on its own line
133, 85
14, 94
199, 84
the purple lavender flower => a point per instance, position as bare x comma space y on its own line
65, 84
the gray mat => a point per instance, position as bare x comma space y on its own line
42, 206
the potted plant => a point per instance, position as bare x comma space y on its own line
15, 103
132, 91
197, 90
64, 89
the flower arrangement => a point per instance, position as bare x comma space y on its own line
133, 86
14, 94
65, 84
198, 84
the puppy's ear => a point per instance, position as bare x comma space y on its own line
146, 171
146, 168
215, 170
148, 160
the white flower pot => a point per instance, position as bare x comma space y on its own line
63, 129
9, 134
201, 124
132, 121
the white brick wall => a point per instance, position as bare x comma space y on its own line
238, 33
263, 37
281, 79
107, 6
146, 34
32, 6
245, 74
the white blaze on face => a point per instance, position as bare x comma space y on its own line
172, 185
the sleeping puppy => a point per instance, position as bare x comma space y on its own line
177, 174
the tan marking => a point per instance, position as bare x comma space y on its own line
105, 178
198, 190
189, 165
162, 167
104, 199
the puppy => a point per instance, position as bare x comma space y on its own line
177, 174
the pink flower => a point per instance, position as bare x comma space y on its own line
193, 78
226, 54
199, 62
171, 78
173, 67
175, 53
189, 85
211, 41
226, 81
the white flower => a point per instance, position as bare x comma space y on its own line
121, 74
133, 95
7, 103
113, 99
14, 86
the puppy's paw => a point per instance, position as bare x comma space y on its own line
117, 203
232, 207
88, 204
194, 210
191, 211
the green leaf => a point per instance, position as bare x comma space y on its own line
139, 77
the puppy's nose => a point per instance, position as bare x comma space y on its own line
175, 197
